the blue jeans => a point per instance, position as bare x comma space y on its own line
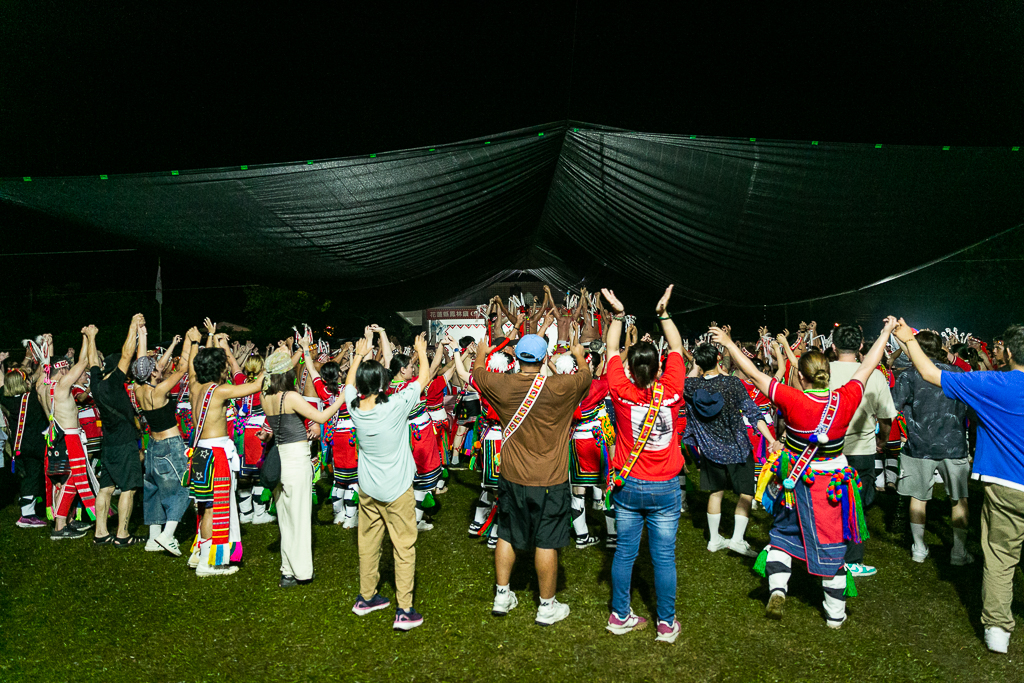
164, 499
656, 503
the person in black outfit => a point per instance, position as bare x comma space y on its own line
18, 391
120, 455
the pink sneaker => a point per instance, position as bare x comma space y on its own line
668, 634
30, 522
621, 626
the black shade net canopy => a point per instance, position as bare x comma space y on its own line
742, 222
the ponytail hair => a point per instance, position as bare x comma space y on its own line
372, 378
399, 362
814, 367
252, 367
329, 373
644, 363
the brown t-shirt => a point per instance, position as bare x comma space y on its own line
538, 452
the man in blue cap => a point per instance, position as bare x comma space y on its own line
534, 497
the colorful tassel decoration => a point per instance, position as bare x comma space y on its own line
851, 587
761, 563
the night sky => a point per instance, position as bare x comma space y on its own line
106, 88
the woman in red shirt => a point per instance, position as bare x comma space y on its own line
813, 493
646, 464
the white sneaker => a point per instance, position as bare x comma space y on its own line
919, 555
209, 570
246, 517
835, 625
668, 633
153, 547
424, 525
263, 517
961, 560
339, 518
552, 612
742, 547
860, 570
715, 545
351, 522
504, 602
997, 639
168, 544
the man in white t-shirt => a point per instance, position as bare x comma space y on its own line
868, 428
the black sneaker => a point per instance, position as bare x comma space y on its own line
288, 581
586, 541
84, 525
65, 533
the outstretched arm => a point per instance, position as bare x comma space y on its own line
168, 354
873, 357
362, 348
615, 327
75, 373
760, 380
668, 328
929, 372
128, 348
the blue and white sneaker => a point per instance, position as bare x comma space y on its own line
364, 607
407, 619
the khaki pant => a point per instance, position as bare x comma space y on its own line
1002, 532
399, 516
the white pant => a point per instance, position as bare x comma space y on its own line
294, 498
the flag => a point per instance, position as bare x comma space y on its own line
159, 286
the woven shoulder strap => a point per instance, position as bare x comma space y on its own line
524, 408
204, 408
619, 478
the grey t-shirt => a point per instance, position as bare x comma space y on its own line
386, 466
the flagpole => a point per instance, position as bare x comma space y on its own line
161, 299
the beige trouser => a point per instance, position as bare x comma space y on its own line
1002, 532
294, 499
399, 516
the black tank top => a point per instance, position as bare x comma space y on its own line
161, 419
288, 427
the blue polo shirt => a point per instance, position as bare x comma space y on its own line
998, 399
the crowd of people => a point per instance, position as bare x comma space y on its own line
807, 428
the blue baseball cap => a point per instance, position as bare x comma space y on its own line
532, 348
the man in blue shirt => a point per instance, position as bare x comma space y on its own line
998, 400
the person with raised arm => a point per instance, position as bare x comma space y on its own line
810, 488
535, 411
214, 461
643, 482
120, 455
286, 409
998, 400
164, 499
67, 462
386, 471
28, 447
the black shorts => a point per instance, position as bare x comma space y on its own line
120, 467
715, 477
534, 516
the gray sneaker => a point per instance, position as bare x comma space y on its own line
65, 533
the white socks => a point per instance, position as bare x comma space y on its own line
917, 530
713, 522
959, 539
154, 531
169, 529
739, 529
579, 517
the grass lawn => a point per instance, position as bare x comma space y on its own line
73, 612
